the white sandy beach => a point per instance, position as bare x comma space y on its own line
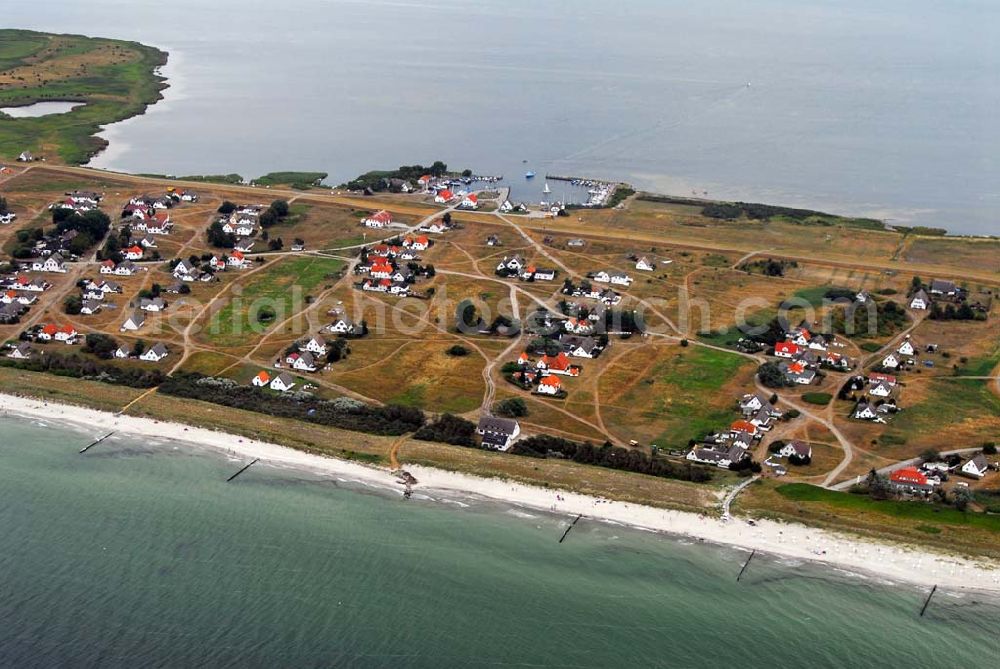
854, 554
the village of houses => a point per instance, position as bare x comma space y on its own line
573, 292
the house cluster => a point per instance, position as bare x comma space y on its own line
383, 268
731, 447
305, 356
94, 295
50, 253
79, 201
19, 294
508, 207
904, 356
586, 290
187, 271
243, 221
50, 332
281, 382
154, 353
924, 479
544, 375
803, 353
124, 268
342, 325
511, 266
614, 277
938, 289
879, 396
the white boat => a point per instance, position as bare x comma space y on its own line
529, 175
547, 190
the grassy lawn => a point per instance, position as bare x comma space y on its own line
670, 395
921, 511
282, 287
114, 78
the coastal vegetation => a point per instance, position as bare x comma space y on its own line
378, 181
112, 79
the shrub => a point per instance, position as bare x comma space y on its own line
449, 429
822, 399
513, 407
457, 351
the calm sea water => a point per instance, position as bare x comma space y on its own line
139, 554
878, 108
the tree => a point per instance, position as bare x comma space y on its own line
280, 208
268, 218
139, 348
916, 282
100, 345
963, 496
3, 205
227, 207
219, 238
771, 376
276, 244
878, 485
457, 351
446, 219
72, 305
930, 455
466, 173
513, 407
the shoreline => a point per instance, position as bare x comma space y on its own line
898, 563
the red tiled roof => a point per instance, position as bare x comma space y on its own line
786, 347
551, 381
908, 475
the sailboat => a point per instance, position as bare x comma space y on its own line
529, 175
547, 190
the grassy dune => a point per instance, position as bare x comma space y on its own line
116, 79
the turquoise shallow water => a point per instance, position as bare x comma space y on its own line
141, 555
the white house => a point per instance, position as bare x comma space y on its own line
20, 352
54, 263
342, 326
184, 271
549, 385
133, 253
380, 219
134, 322
122, 353
906, 348
645, 264
865, 411
90, 307
920, 300
799, 448
615, 277
282, 383
890, 361
262, 379
471, 201
316, 346
498, 433
155, 353
512, 263
125, 268
155, 304
976, 467
237, 260
880, 389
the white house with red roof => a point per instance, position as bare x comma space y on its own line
471, 201
237, 260
262, 379
786, 349
549, 385
380, 219
558, 364
133, 253
444, 196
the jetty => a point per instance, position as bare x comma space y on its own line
256, 460
571, 526
95, 442
745, 565
927, 601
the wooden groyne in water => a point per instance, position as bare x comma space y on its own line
927, 601
745, 565
95, 442
571, 525
243, 470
